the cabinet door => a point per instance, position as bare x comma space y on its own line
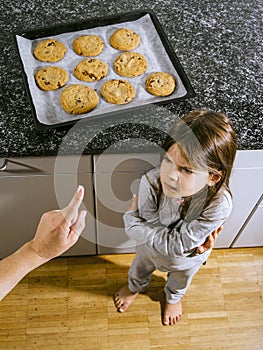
116, 177
252, 233
246, 187
27, 191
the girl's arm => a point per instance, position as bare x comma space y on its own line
147, 202
186, 237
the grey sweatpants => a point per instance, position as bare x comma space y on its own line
180, 271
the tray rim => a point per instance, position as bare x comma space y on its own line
40, 32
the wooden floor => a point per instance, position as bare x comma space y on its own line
67, 305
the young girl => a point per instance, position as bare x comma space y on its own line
180, 204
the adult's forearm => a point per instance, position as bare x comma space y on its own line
14, 267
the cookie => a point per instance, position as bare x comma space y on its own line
124, 39
130, 64
90, 70
160, 84
51, 78
88, 45
118, 91
49, 50
78, 99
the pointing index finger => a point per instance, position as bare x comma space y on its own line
76, 200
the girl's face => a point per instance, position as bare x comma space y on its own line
177, 176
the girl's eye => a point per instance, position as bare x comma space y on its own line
186, 170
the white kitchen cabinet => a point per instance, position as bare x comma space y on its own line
30, 186
251, 234
116, 177
246, 186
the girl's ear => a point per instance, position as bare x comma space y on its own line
214, 178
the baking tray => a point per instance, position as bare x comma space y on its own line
56, 119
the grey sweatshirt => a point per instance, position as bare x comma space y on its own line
150, 223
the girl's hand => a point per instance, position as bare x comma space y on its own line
210, 241
134, 203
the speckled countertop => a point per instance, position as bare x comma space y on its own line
219, 44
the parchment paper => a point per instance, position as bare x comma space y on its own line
46, 103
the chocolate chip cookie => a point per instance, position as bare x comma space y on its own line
88, 45
78, 99
118, 91
124, 39
160, 84
51, 78
50, 50
90, 70
130, 64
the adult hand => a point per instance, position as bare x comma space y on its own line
58, 230
210, 241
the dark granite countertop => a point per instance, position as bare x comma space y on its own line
219, 44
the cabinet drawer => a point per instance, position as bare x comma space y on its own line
25, 198
113, 196
252, 232
246, 186
116, 177
47, 165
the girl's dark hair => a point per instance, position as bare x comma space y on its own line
208, 141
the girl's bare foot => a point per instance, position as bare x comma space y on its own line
172, 313
123, 298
